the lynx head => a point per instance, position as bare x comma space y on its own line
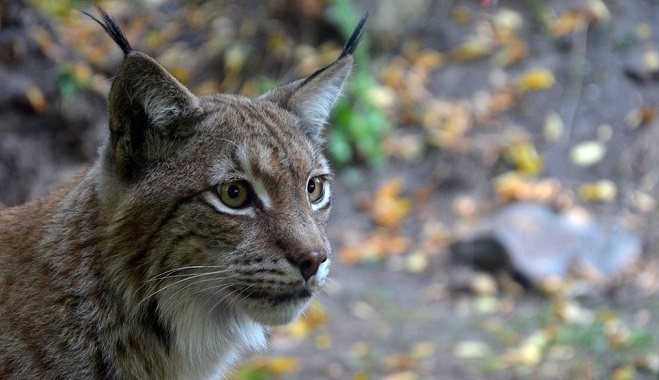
218, 204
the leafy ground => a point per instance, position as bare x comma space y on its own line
457, 108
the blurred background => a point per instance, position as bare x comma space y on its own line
496, 198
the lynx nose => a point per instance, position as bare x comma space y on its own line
309, 263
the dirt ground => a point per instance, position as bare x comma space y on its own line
452, 74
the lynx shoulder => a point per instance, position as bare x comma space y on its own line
200, 225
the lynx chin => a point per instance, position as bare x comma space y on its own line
200, 225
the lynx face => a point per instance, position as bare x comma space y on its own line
252, 233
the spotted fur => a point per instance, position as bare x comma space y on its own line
139, 269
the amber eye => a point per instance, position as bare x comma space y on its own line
234, 194
315, 189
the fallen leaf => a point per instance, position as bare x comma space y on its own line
374, 249
502, 101
568, 22
508, 20
360, 349
604, 191
398, 362
471, 349
651, 60
515, 186
389, 207
461, 15
281, 365
310, 321
626, 372
644, 202
587, 153
472, 49
513, 51
416, 262
323, 342
422, 350
525, 158
277, 366
404, 375
535, 80
640, 116
483, 284
36, 98
554, 127
643, 31
428, 60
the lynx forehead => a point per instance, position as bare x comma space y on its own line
200, 225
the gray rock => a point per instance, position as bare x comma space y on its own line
532, 241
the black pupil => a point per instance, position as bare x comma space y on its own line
233, 191
311, 187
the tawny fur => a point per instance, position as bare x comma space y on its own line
137, 269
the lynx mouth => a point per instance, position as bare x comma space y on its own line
298, 294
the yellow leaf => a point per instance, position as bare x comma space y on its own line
515, 186
281, 365
530, 354
275, 366
299, 329
428, 60
315, 317
624, 373
604, 190
36, 98
535, 80
525, 158
472, 49
567, 23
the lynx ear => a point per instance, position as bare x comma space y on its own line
312, 99
148, 108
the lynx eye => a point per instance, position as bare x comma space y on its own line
234, 194
315, 188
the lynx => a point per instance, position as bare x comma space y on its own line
200, 225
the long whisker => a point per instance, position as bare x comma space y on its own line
161, 276
199, 282
190, 277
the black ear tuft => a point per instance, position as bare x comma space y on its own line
113, 29
353, 41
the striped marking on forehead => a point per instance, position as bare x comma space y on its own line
272, 143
